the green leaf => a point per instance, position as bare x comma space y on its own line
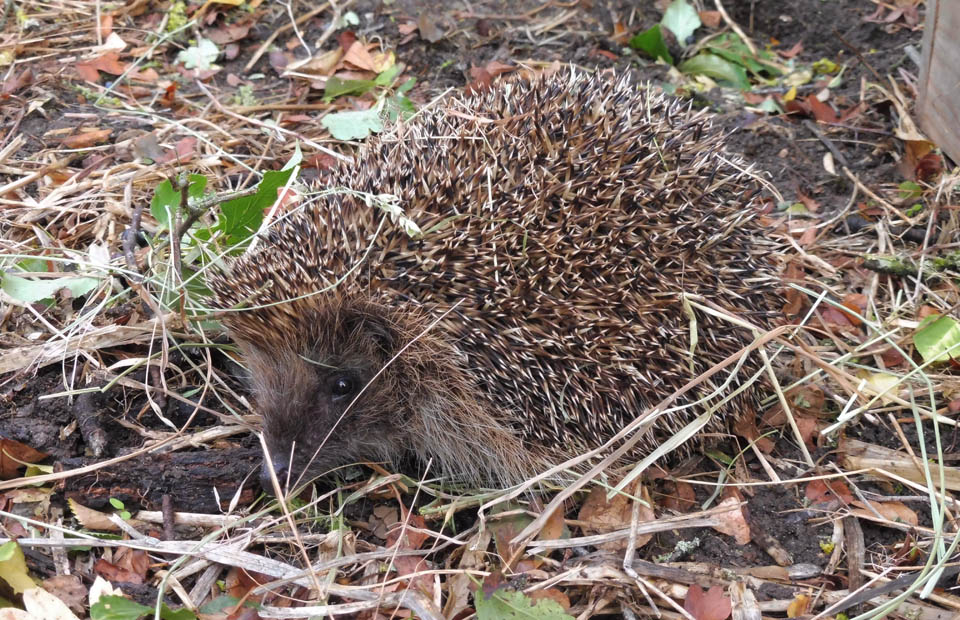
166, 199
681, 19
197, 184
731, 47
353, 125
241, 217
506, 605
116, 503
651, 43
38, 265
165, 203
200, 56
938, 339
386, 77
399, 106
335, 87
8, 550
224, 602
825, 65
409, 84
13, 569
119, 608
909, 190
717, 68
32, 291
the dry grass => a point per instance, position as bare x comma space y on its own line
140, 328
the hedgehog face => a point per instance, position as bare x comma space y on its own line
326, 403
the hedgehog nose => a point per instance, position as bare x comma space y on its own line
279, 468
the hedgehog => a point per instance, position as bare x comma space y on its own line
538, 309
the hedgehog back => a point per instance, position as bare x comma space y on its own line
562, 218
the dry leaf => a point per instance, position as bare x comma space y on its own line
86, 139
108, 63
680, 496
881, 383
600, 516
709, 605
799, 606
857, 303
711, 19
552, 594
732, 522
819, 491
407, 536
429, 27
106, 25
69, 589
14, 454
898, 512
358, 56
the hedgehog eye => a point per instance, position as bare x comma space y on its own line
342, 386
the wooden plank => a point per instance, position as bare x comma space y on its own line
938, 109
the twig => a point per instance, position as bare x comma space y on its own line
857, 54
129, 237
827, 142
891, 210
257, 123
736, 28
306, 16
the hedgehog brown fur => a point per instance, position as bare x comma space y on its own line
540, 309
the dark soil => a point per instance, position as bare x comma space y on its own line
781, 146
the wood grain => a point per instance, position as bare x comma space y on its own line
939, 105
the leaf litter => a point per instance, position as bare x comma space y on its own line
103, 128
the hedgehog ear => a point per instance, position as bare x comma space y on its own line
376, 327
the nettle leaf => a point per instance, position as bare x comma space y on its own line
200, 56
165, 203
717, 68
399, 106
506, 605
241, 217
119, 608
938, 339
681, 19
32, 291
166, 199
651, 43
353, 125
336, 87
731, 47
13, 569
386, 77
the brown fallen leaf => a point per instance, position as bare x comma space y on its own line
14, 454
709, 605
86, 139
680, 496
600, 515
799, 606
429, 26
818, 491
711, 19
69, 589
17, 81
733, 522
108, 63
793, 51
857, 304
129, 565
184, 151
898, 512
552, 594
